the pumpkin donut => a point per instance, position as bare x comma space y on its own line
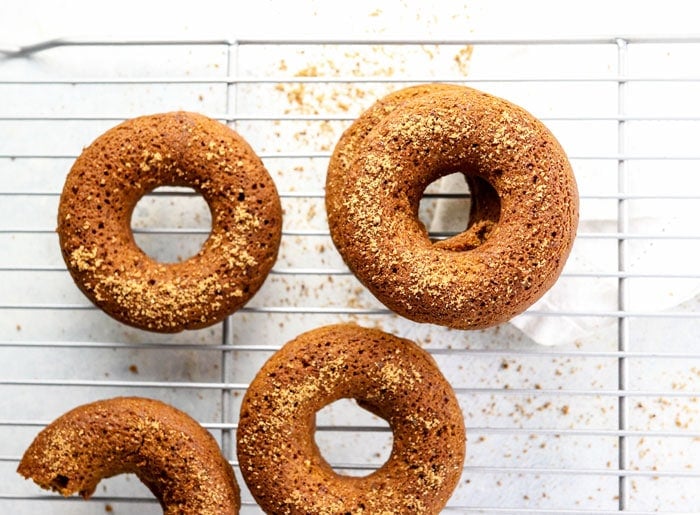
176, 458
172, 149
389, 376
523, 217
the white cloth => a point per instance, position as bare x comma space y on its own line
573, 295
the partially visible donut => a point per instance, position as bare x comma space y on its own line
523, 217
389, 376
172, 149
176, 458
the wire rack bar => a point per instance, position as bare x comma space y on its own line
510, 470
331, 40
454, 509
275, 117
243, 386
327, 155
623, 293
346, 272
323, 233
244, 503
473, 431
320, 195
242, 347
325, 310
413, 79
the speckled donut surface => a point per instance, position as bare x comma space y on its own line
523, 217
171, 149
389, 376
175, 457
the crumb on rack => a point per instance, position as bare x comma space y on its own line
463, 58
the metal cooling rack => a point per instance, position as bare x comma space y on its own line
606, 422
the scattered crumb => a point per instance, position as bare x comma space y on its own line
463, 57
311, 213
133, 369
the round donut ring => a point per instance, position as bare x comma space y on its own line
175, 457
523, 217
171, 149
389, 376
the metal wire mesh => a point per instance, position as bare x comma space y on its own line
604, 422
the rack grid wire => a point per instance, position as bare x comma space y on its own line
606, 420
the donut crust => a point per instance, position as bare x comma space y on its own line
389, 376
523, 217
175, 457
171, 149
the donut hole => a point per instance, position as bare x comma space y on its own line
171, 223
444, 206
352, 440
455, 217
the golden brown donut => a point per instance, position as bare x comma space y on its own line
171, 149
524, 205
389, 376
176, 458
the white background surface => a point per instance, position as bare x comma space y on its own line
37, 19
543, 422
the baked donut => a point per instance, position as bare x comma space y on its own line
523, 217
172, 149
389, 376
176, 458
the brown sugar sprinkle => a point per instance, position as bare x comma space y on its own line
176, 149
384, 374
85, 260
139, 436
166, 301
378, 173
